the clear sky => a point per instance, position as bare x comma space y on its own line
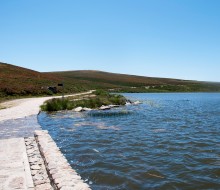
159, 38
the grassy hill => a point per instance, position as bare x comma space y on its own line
131, 83
18, 81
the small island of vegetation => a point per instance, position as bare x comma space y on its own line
93, 101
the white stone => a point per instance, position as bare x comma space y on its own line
32, 160
78, 109
137, 102
114, 106
43, 186
30, 151
38, 177
87, 109
35, 167
104, 107
34, 172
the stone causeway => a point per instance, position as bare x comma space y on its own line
36, 163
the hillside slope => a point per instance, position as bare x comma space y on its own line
132, 83
18, 81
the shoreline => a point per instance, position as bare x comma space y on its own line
29, 157
21, 108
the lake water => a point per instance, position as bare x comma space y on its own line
171, 141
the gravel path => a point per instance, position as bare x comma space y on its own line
25, 107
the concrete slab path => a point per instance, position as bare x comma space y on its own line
14, 166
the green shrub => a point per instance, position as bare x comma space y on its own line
56, 104
117, 99
104, 98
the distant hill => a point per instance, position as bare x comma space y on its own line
132, 83
18, 81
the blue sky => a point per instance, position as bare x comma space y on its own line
159, 38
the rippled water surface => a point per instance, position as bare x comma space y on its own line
171, 141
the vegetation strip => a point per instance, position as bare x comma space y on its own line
99, 99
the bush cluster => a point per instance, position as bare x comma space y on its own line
101, 98
57, 104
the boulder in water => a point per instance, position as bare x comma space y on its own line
87, 109
78, 109
137, 102
104, 107
114, 106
